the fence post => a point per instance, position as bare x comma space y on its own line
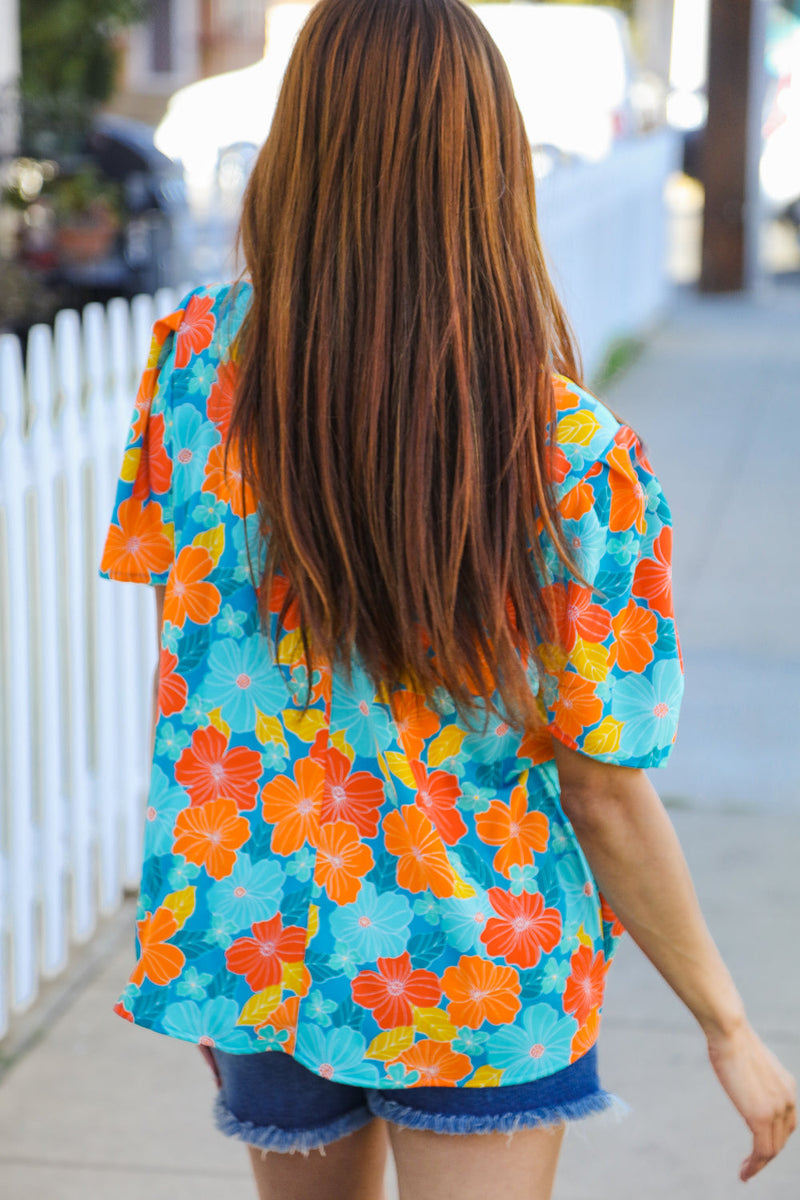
14, 472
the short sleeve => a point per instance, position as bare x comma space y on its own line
140, 542
615, 682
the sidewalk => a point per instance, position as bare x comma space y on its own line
100, 1109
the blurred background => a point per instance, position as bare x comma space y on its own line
665, 137
128, 129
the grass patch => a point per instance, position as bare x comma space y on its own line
620, 356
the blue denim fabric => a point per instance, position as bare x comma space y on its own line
272, 1101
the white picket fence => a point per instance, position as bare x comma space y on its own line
77, 654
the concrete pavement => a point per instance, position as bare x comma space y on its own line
97, 1108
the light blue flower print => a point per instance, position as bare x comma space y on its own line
475, 799
209, 511
550, 690
249, 529
375, 925
170, 636
560, 840
399, 1076
499, 742
193, 984
463, 921
229, 622
252, 891
194, 713
606, 686
470, 1041
182, 874
577, 455
201, 376
367, 724
165, 801
453, 766
344, 960
337, 1053
442, 703
273, 756
272, 1039
193, 435
301, 864
319, 1009
555, 974
536, 1046
240, 679
623, 547
212, 1024
221, 931
298, 683
427, 906
171, 742
649, 709
583, 907
586, 540
523, 879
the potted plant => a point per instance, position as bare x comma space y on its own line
86, 210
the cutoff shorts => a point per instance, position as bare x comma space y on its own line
271, 1101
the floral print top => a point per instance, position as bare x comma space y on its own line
385, 894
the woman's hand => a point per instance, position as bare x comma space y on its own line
761, 1089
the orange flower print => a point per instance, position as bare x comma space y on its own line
577, 705
278, 593
172, 688
355, 797
479, 990
437, 793
342, 861
219, 405
584, 990
415, 722
518, 832
210, 834
154, 473
558, 466
209, 769
537, 745
584, 619
522, 929
196, 329
586, 1036
394, 990
627, 494
610, 917
577, 501
140, 545
283, 1017
260, 958
423, 861
293, 806
159, 962
144, 397
635, 631
438, 1064
224, 481
188, 595
652, 580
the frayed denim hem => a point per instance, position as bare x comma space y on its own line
286, 1141
511, 1122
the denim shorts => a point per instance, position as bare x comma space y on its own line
271, 1101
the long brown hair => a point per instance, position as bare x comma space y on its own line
395, 365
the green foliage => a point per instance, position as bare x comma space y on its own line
68, 46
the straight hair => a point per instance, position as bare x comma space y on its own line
394, 402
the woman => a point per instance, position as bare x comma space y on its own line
416, 646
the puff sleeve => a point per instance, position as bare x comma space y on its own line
140, 542
615, 681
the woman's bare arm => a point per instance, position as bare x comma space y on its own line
636, 858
